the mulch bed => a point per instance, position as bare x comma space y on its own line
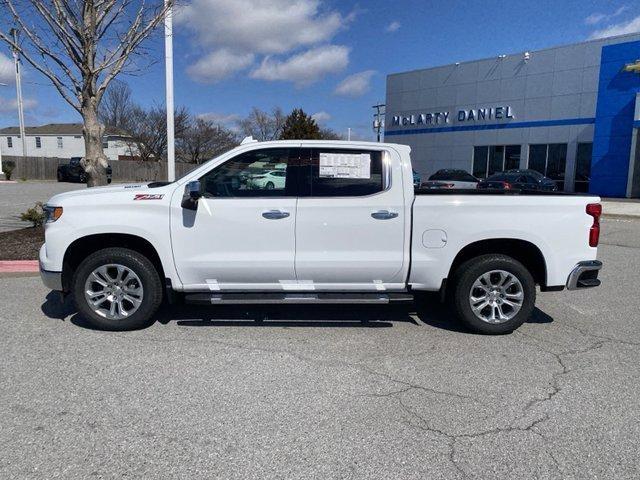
22, 244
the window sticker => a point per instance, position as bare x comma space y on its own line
345, 165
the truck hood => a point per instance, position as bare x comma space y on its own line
132, 188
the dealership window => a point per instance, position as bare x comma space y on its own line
488, 160
105, 142
59, 142
9, 142
583, 167
38, 142
550, 160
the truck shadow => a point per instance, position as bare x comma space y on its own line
425, 312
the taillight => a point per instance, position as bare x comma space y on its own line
595, 210
507, 186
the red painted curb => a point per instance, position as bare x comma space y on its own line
18, 266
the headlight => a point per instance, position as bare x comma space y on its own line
51, 213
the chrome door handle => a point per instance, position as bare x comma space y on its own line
275, 214
384, 215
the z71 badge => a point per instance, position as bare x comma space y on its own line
148, 196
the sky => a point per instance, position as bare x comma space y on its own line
329, 57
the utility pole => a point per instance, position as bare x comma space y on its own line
168, 58
16, 61
378, 119
349, 134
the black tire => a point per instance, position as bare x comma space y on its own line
83, 178
142, 267
269, 186
60, 177
464, 278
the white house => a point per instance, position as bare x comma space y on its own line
63, 140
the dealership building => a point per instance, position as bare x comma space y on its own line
569, 112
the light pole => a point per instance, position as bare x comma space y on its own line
378, 121
16, 61
168, 59
1, 171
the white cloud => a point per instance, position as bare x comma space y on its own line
356, 84
219, 65
7, 73
221, 118
596, 18
11, 105
246, 28
393, 27
632, 26
228, 120
321, 117
305, 68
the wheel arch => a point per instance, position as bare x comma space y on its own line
80, 248
523, 251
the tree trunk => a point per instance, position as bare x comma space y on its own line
95, 161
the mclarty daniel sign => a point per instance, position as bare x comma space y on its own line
463, 116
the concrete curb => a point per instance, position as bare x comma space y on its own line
19, 266
620, 216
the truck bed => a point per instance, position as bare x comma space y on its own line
495, 191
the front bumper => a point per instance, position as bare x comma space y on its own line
584, 275
52, 280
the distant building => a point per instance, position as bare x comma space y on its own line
570, 112
63, 140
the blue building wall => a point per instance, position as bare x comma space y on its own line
614, 120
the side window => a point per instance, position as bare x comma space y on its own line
259, 173
343, 173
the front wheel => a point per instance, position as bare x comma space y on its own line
493, 294
117, 289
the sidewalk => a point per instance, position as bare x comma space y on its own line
626, 208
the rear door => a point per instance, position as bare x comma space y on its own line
350, 224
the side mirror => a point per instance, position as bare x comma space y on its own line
191, 195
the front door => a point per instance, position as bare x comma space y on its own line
350, 230
242, 235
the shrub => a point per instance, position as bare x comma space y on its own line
35, 215
7, 168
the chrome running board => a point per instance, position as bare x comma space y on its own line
295, 298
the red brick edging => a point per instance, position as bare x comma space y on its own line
18, 266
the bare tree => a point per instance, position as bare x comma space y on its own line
116, 107
203, 140
263, 126
149, 130
81, 46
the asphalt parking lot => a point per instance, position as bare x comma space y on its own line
16, 198
295, 392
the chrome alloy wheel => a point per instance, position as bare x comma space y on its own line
113, 291
496, 296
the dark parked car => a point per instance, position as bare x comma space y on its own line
519, 179
451, 178
73, 172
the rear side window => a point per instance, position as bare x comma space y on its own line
342, 173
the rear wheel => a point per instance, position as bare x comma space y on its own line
60, 177
117, 289
269, 186
493, 294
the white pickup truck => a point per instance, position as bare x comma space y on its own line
314, 222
